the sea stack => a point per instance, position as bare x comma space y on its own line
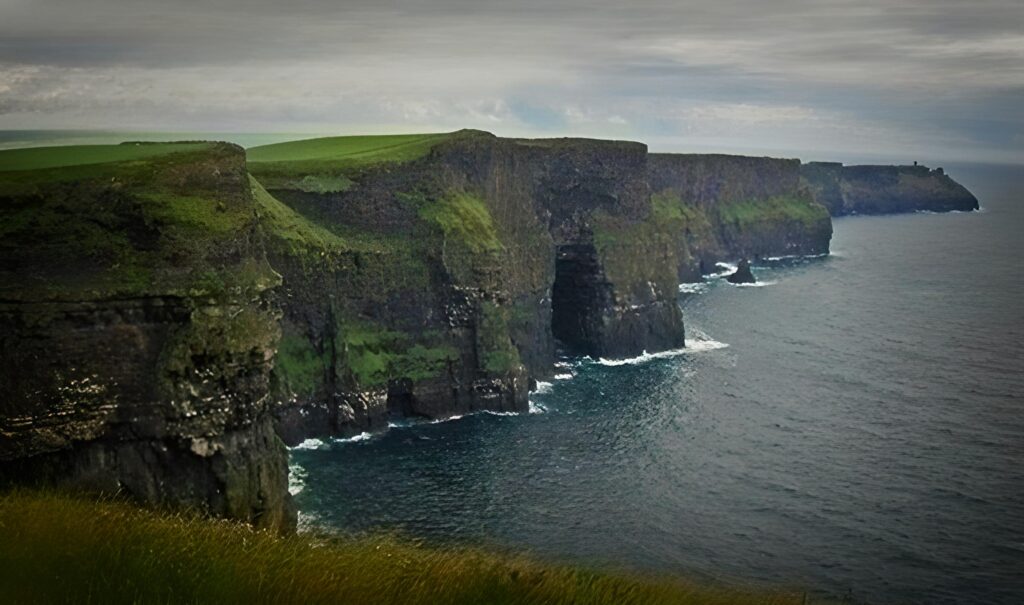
743, 275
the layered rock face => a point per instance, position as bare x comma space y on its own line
735, 207
430, 277
884, 189
136, 338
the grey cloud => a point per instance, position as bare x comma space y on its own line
931, 70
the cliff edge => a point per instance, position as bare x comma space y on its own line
885, 189
136, 335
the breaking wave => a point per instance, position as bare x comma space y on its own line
693, 288
692, 346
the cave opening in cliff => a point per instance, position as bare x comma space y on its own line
577, 298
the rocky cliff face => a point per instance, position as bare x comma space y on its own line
733, 207
136, 339
166, 313
884, 189
434, 279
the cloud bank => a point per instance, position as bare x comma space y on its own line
824, 78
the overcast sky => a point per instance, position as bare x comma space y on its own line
813, 78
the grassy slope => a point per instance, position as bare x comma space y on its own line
369, 148
329, 164
780, 208
39, 158
61, 549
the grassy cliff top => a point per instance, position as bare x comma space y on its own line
140, 219
41, 158
60, 549
368, 149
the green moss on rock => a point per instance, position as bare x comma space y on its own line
298, 366
748, 213
495, 348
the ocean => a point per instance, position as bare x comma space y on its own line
852, 427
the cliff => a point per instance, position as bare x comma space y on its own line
136, 336
429, 275
884, 189
734, 207
168, 311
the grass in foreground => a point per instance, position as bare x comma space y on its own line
59, 549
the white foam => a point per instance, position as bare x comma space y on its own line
537, 408
695, 288
296, 479
309, 444
704, 344
354, 439
543, 387
563, 376
692, 346
642, 358
725, 269
797, 256
757, 284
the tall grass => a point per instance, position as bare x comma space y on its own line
57, 548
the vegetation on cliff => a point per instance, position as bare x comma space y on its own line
748, 214
127, 220
329, 165
63, 549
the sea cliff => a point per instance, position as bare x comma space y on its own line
730, 208
172, 315
430, 276
136, 332
885, 189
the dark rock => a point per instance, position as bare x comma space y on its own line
885, 189
136, 337
742, 275
562, 259
732, 207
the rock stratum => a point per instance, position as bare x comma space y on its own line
885, 189
172, 315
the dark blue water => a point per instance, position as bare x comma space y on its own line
862, 434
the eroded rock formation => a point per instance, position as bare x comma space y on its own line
885, 189
437, 285
732, 207
136, 338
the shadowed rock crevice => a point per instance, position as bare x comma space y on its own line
579, 298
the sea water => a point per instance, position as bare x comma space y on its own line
854, 428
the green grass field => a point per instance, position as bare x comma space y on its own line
383, 148
40, 158
56, 549
329, 165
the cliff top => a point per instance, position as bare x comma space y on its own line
104, 221
364, 149
41, 158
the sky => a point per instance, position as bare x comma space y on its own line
817, 79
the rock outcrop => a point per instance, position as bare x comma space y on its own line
742, 274
734, 207
136, 335
884, 189
431, 276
